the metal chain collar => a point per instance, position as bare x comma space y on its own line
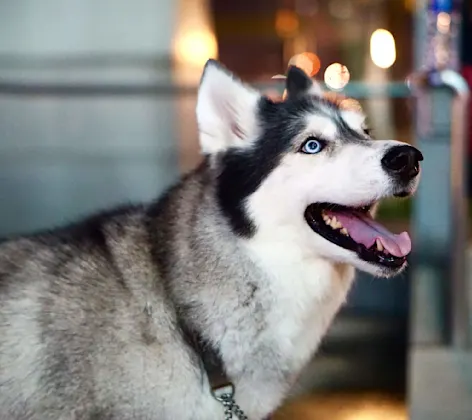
225, 395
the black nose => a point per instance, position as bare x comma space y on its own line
402, 162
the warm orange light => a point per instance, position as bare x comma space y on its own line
410, 5
308, 62
273, 95
286, 23
195, 47
351, 105
302, 62
315, 63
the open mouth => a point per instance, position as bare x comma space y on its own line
355, 229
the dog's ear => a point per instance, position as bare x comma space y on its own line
226, 110
298, 83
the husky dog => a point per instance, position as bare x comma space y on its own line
253, 252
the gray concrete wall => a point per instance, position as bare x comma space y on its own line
63, 156
86, 26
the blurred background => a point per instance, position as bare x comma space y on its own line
97, 104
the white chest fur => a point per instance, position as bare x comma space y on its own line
300, 297
305, 294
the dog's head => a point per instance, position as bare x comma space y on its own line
304, 169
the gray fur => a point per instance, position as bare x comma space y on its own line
88, 315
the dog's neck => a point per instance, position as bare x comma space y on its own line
264, 308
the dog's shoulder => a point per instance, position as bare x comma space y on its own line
88, 228
89, 303
84, 245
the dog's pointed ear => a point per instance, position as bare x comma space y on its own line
226, 110
298, 83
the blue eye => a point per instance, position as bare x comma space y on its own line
312, 146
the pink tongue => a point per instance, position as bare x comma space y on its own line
364, 230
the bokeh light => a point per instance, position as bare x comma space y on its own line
382, 48
410, 5
336, 76
273, 95
342, 101
334, 97
315, 63
196, 47
351, 105
308, 62
443, 22
286, 23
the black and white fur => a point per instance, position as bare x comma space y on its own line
90, 314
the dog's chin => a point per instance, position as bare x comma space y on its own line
375, 269
359, 240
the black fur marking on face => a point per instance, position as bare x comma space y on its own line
346, 133
243, 170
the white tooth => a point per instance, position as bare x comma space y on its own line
379, 245
336, 224
344, 231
